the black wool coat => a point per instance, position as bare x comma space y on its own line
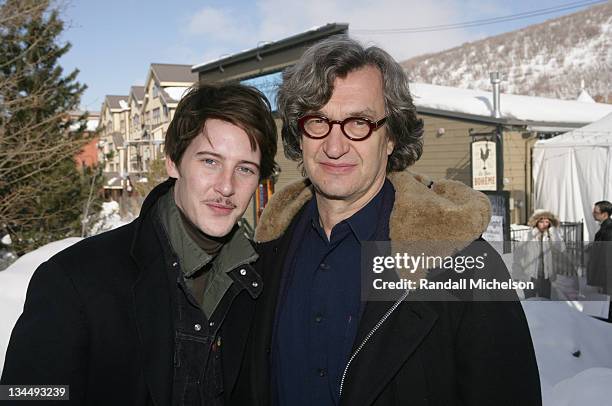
599, 269
99, 316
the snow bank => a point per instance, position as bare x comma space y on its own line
107, 219
574, 354
14, 282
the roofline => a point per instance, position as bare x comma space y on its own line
269, 47
171, 64
132, 96
505, 121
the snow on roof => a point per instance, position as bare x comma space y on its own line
92, 125
513, 107
176, 92
597, 133
123, 104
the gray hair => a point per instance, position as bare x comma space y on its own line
308, 85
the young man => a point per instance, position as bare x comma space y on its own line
135, 316
348, 118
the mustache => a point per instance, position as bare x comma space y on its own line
220, 201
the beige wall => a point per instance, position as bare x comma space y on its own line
157, 127
447, 156
111, 120
289, 169
517, 173
134, 149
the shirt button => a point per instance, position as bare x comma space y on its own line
175, 264
212, 323
197, 327
318, 318
322, 372
243, 272
255, 284
323, 266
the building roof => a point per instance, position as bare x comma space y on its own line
112, 180
138, 92
266, 57
114, 102
515, 109
118, 139
174, 73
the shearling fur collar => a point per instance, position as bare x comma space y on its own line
449, 211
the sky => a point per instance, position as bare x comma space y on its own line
114, 42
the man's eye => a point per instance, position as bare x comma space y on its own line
245, 170
360, 123
316, 121
209, 161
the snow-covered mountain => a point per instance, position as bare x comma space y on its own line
550, 59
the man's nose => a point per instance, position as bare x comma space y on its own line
225, 183
336, 144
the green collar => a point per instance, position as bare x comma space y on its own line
236, 252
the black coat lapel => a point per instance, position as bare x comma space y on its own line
153, 307
387, 349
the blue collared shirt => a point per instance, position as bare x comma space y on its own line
321, 306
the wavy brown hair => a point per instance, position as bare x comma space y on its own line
243, 106
308, 85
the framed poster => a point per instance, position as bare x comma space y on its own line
484, 165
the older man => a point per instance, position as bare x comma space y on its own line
135, 316
348, 119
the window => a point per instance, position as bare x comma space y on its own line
155, 91
156, 117
267, 84
165, 112
122, 125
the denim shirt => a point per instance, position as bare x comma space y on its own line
198, 375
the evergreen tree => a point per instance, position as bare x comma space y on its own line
42, 193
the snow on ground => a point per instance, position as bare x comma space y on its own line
573, 350
14, 283
574, 354
108, 218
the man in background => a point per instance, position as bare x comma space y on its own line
599, 270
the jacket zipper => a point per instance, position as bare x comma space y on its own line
369, 335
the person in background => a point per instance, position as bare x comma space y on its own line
540, 254
599, 269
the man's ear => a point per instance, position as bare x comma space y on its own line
172, 168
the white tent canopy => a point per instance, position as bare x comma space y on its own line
573, 171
